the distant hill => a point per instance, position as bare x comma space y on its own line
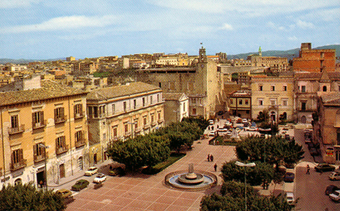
288, 53
25, 61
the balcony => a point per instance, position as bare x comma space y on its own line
61, 150
80, 142
16, 130
18, 165
41, 157
60, 119
79, 115
39, 125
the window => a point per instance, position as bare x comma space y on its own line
246, 102
59, 113
39, 152
143, 100
151, 100
78, 136
260, 102
159, 84
324, 88
113, 108
134, 104
284, 88
78, 110
60, 142
152, 118
159, 115
272, 88
17, 157
157, 98
124, 106
303, 88
303, 106
172, 85
194, 111
231, 101
240, 102
260, 87
15, 121
184, 107
114, 131
272, 102
38, 118
126, 127
144, 120
193, 100
285, 102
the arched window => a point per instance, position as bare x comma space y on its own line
324, 88
17, 181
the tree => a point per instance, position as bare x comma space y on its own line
200, 121
142, 151
255, 175
263, 116
27, 197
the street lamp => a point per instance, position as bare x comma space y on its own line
45, 147
245, 179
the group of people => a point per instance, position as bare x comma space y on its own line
210, 158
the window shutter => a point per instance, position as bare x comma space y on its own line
41, 116
61, 112
21, 154
55, 113
33, 118
35, 150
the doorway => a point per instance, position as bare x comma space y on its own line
62, 171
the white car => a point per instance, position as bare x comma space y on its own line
91, 171
290, 198
335, 196
212, 133
211, 122
334, 176
99, 178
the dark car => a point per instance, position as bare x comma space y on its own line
289, 177
330, 189
80, 184
324, 167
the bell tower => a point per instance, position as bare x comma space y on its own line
202, 55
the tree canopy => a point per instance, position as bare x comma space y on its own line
27, 197
141, 151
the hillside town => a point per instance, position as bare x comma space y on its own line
58, 118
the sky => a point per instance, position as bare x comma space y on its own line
50, 29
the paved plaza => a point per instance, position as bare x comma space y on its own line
144, 192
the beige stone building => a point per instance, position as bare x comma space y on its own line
326, 126
122, 112
275, 94
43, 130
202, 83
176, 107
239, 104
307, 85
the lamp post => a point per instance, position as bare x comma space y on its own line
245, 179
45, 147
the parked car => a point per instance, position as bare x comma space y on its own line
119, 171
64, 193
211, 122
80, 184
99, 178
91, 171
289, 177
335, 196
290, 198
330, 189
334, 176
324, 167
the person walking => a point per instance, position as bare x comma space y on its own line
208, 158
308, 169
215, 166
211, 158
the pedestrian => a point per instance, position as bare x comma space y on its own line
215, 166
211, 158
308, 169
208, 157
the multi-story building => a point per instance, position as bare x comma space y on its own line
239, 104
202, 82
307, 85
43, 133
314, 60
176, 107
274, 94
122, 112
326, 126
276, 64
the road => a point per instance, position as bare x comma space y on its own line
310, 188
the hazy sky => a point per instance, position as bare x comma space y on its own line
46, 29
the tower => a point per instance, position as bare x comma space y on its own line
260, 51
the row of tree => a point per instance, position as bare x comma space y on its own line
155, 147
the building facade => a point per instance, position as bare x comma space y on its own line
122, 112
176, 107
43, 134
326, 126
274, 94
202, 83
239, 104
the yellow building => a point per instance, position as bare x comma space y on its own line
275, 94
121, 112
42, 130
240, 104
